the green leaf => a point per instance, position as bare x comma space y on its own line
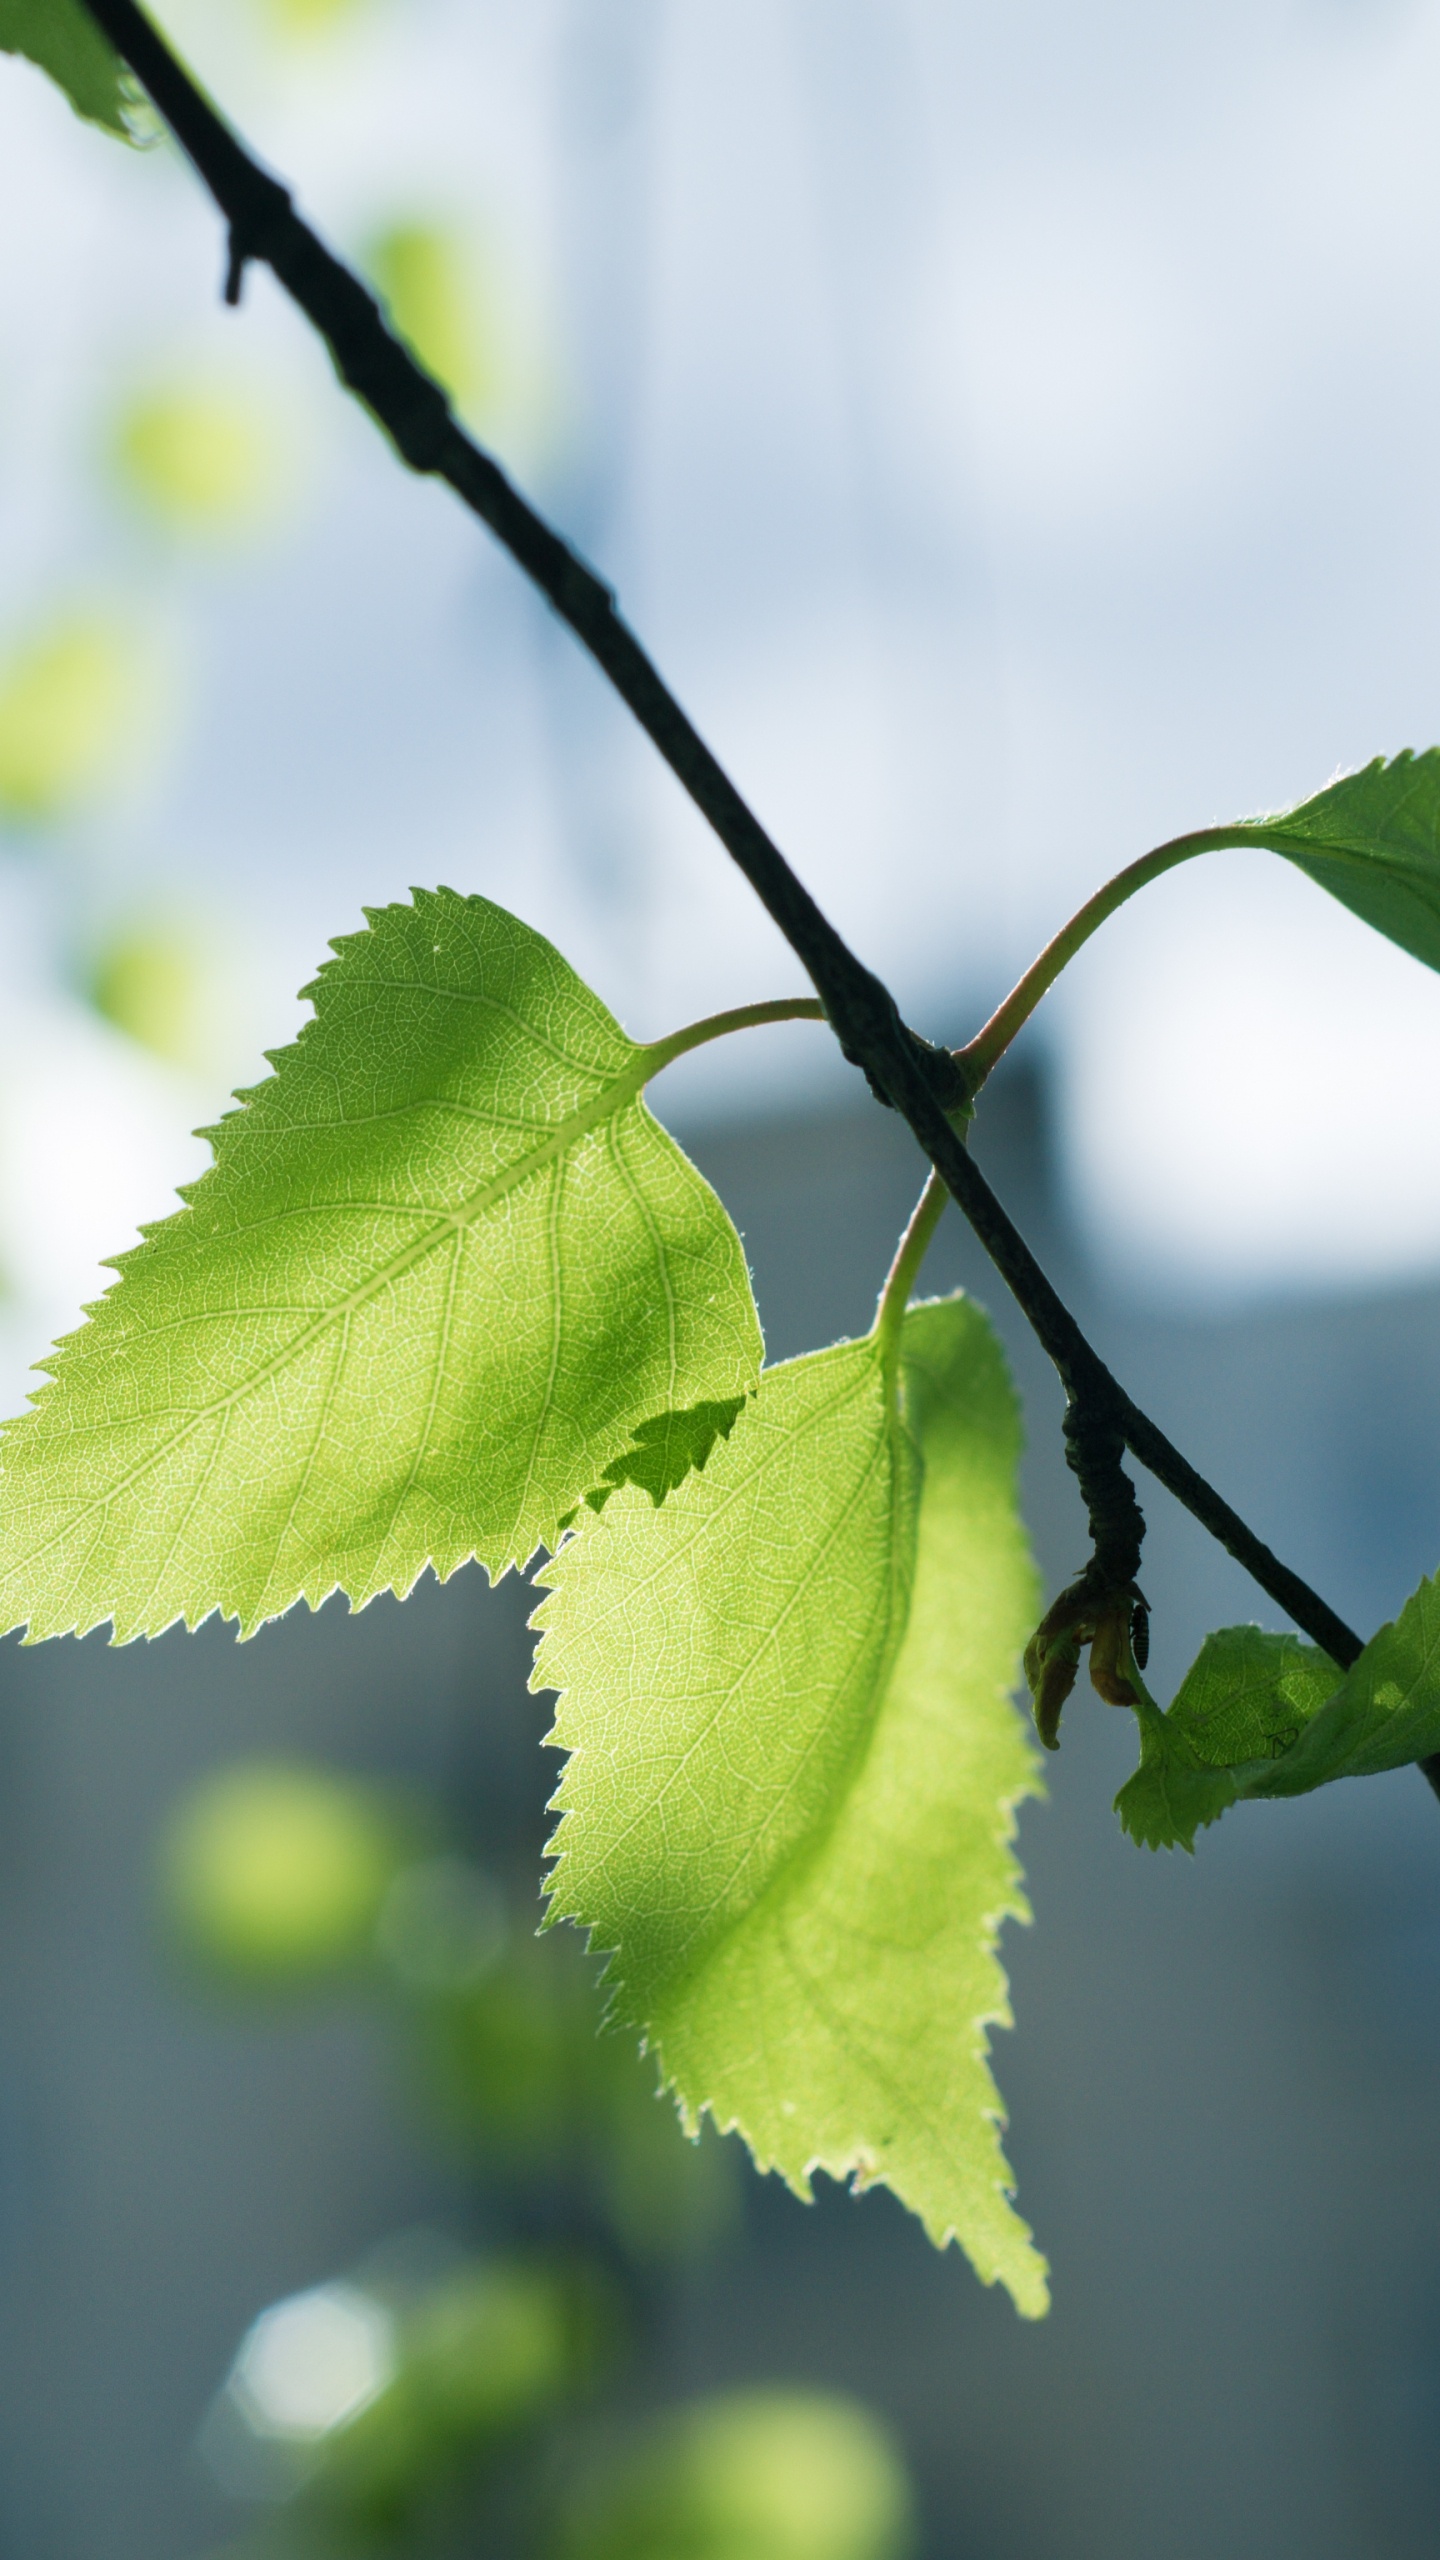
1384, 1713
1264, 1715
1242, 1705
794, 1768
63, 39
665, 1449
1373, 840
444, 1265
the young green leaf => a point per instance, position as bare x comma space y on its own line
794, 1769
1264, 1715
1385, 1712
1373, 840
1242, 1705
444, 1265
63, 39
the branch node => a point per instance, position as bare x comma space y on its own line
1104, 1606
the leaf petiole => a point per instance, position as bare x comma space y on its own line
905, 1269
989, 1045
714, 1026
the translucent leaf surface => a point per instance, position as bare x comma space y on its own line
794, 1769
665, 1449
443, 1266
64, 40
1373, 840
1242, 1705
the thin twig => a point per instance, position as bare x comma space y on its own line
921, 1083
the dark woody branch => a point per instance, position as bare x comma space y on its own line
922, 1083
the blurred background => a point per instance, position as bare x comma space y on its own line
1014, 432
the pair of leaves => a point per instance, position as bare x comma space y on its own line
61, 37
794, 1766
1261, 1715
444, 1268
446, 1280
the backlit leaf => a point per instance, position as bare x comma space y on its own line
1373, 840
64, 40
665, 1449
444, 1265
794, 1768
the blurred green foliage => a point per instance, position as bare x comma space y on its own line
755, 2475
481, 2358
66, 699
200, 458
273, 1875
523, 2078
453, 2410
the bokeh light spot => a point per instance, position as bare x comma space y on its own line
313, 2362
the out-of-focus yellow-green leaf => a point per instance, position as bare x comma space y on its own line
65, 701
149, 984
309, 17
756, 2475
436, 303
204, 460
274, 1874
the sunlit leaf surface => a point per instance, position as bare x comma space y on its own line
794, 1768
444, 1265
